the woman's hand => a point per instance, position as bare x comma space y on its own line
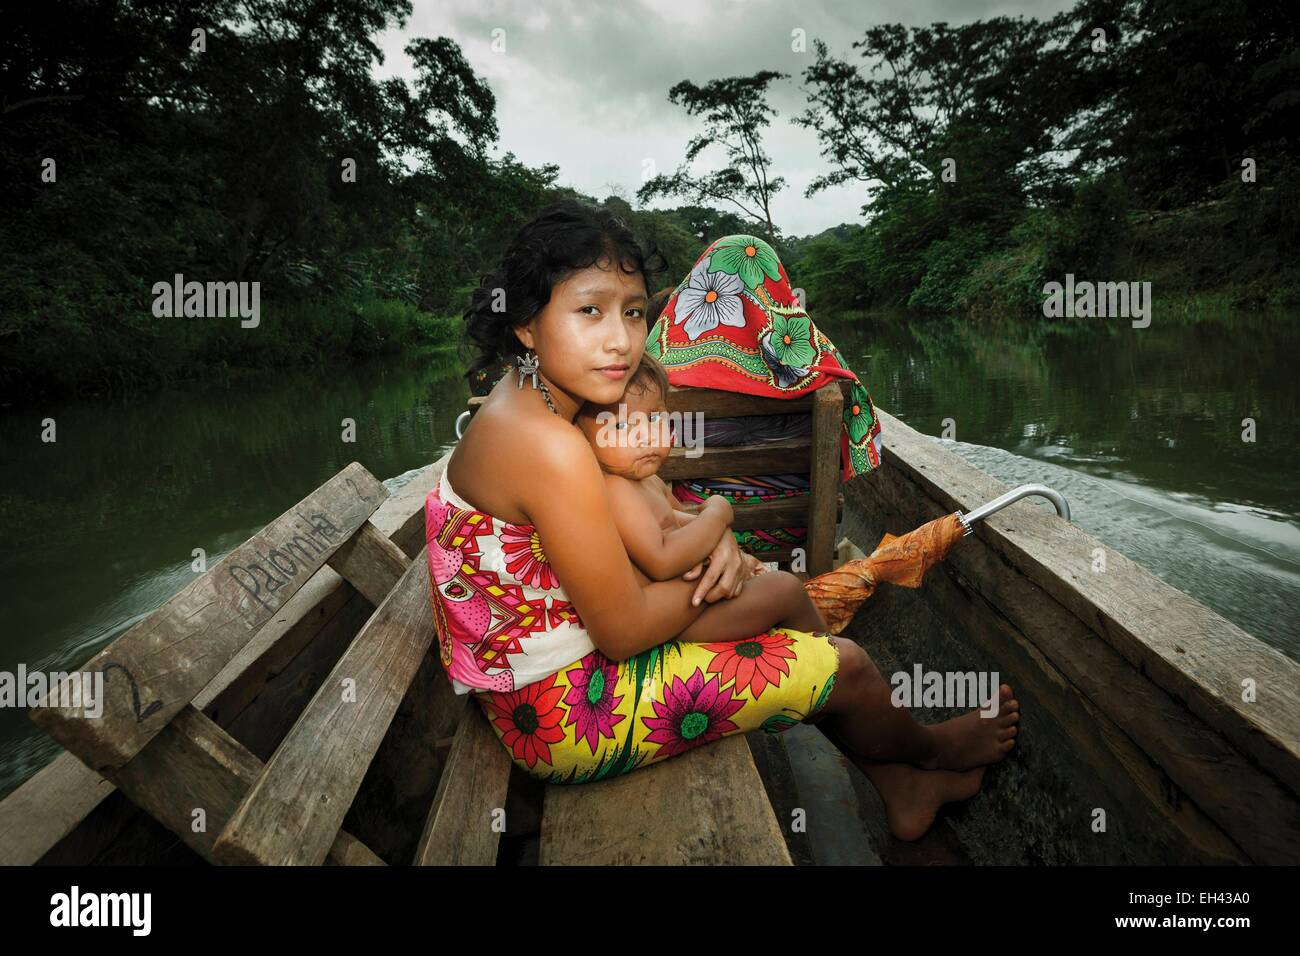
754, 565
725, 574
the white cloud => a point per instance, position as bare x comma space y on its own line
585, 85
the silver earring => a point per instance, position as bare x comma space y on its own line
528, 365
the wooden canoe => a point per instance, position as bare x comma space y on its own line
1138, 743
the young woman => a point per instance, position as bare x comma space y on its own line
538, 610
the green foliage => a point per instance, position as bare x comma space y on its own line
733, 113
830, 268
228, 165
992, 156
947, 264
1050, 143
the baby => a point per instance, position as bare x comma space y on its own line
664, 541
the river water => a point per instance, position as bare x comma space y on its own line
1139, 428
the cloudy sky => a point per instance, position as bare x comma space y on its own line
584, 83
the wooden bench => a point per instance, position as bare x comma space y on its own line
817, 454
709, 805
188, 773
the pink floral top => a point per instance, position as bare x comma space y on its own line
503, 620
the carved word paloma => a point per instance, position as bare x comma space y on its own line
318, 534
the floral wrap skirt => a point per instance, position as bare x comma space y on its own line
597, 718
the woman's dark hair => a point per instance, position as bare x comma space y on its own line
562, 239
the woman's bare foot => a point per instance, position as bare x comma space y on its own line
973, 740
913, 797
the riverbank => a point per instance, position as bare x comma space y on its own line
1237, 250
61, 350
1203, 259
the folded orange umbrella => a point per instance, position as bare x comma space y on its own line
904, 559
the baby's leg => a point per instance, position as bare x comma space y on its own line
774, 599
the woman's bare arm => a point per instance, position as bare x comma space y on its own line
566, 500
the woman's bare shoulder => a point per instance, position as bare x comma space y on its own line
506, 461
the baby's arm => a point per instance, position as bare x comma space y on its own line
663, 556
684, 518
680, 515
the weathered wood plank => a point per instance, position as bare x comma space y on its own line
1194, 654
64, 795
370, 562
155, 669
47, 807
349, 851
58, 798
824, 479
298, 803
401, 517
193, 770
706, 806
392, 804
461, 827
718, 403
789, 513
1122, 730
789, 455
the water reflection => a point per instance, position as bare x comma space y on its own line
1140, 428
101, 524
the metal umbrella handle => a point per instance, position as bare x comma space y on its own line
1015, 494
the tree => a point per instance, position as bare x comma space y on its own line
925, 95
1194, 87
734, 111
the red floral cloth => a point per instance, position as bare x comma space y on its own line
734, 323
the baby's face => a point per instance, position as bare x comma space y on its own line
635, 443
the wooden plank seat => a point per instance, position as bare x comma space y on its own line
294, 810
150, 740
465, 821
707, 806
818, 454
69, 814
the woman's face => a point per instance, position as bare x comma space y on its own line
590, 336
